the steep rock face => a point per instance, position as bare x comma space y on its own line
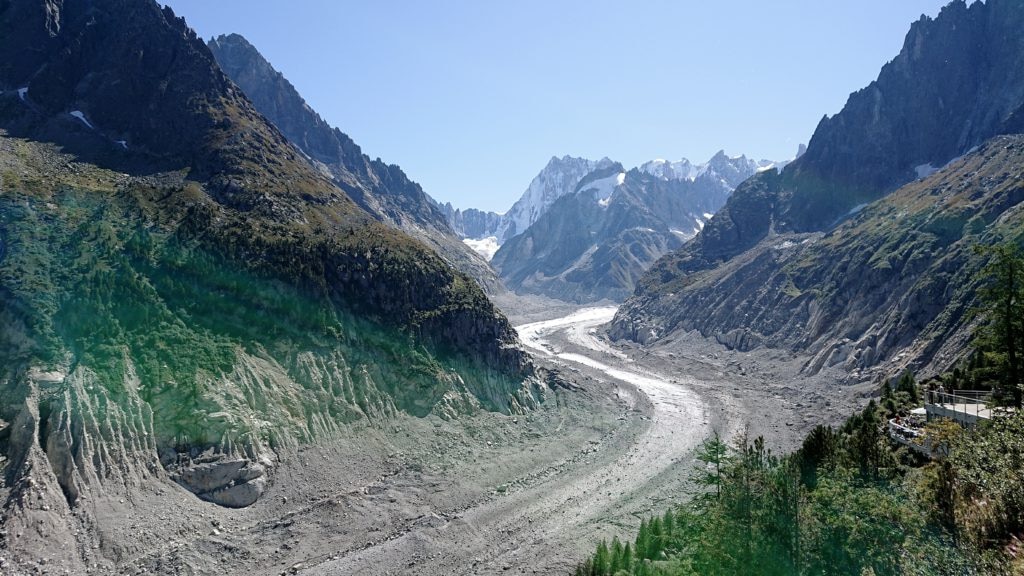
596, 242
210, 301
954, 84
381, 189
958, 81
894, 284
560, 177
472, 223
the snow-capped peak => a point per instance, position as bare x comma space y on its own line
730, 169
558, 178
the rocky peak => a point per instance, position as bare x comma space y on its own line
958, 80
955, 83
679, 170
559, 177
175, 107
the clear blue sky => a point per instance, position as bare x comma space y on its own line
473, 97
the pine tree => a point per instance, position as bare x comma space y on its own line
908, 385
643, 540
713, 453
615, 562
657, 541
602, 560
627, 558
1002, 301
817, 453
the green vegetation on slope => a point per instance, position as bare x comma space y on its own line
849, 503
844, 503
281, 330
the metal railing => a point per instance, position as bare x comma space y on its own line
961, 402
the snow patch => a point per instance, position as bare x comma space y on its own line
122, 144
708, 215
856, 209
485, 247
604, 202
81, 116
603, 187
700, 223
22, 92
925, 170
958, 158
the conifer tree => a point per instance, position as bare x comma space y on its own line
615, 562
907, 384
713, 453
1002, 302
627, 558
602, 560
657, 538
643, 540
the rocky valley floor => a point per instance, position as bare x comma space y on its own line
485, 494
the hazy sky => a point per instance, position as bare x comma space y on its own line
473, 97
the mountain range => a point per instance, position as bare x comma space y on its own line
595, 242
585, 230
847, 255
558, 178
201, 281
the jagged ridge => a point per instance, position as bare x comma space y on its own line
381, 189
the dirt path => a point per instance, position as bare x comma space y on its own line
544, 523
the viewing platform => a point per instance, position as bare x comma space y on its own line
965, 407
